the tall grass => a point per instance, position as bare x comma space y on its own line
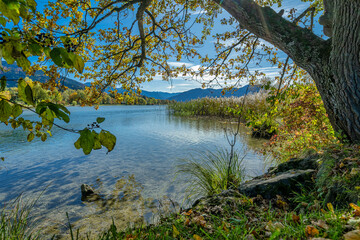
14, 220
255, 103
210, 172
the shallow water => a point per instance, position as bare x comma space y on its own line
149, 143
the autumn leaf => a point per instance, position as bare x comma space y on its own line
353, 235
311, 231
188, 213
296, 218
187, 222
330, 207
175, 232
356, 209
197, 237
321, 224
199, 220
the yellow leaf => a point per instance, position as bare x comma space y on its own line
354, 206
197, 237
175, 232
188, 213
356, 209
311, 231
330, 207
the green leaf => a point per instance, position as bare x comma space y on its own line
5, 110
3, 21
7, 51
100, 119
55, 55
67, 59
86, 141
21, 89
77, 144
29, 96
97, 144
35, 49
107, 139
40, 108
43, 137
30, 137
32, 5
16, 110
79, 64
3, 83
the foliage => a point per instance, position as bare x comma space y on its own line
14, 220
17, 45
338, 180
304, 123
238, 217
73, 97
210, 172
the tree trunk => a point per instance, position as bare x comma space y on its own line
333, 64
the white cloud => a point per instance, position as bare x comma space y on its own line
180, 64
200, 11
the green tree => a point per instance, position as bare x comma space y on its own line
18, 45
132, 53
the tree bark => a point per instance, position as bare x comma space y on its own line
333, 63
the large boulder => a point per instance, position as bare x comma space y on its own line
283, 184
309, 162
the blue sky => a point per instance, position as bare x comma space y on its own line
184, 84
181, 84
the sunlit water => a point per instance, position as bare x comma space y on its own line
149, 144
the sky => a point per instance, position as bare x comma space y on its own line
181, 84
184, 84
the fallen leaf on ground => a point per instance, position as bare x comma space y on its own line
330, 207
175, 232
197, 237
188, 213
311, 231
356, 209
321, 224
295, 218
199, 220
353, 235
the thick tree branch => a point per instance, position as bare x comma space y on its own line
300, 44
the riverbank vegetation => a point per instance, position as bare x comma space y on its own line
294, 119
78, 97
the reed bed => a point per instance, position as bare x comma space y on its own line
232, 107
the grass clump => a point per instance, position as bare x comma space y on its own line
14, 220
212, 172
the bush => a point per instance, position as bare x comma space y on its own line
304, 123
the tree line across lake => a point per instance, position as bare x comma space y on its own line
76, 97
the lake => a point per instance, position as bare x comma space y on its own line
141, 168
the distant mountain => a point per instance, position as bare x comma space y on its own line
213, 93
13, 72
158, 95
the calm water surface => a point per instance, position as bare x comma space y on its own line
149, 144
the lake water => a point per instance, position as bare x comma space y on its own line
140, 169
